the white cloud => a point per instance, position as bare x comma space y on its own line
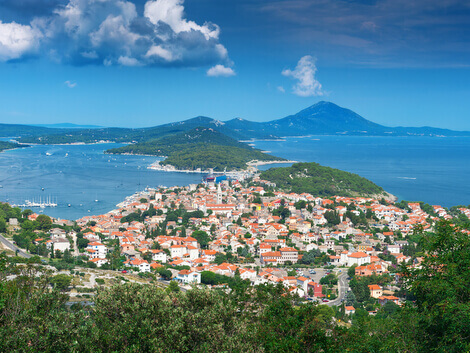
110, 32
304, 73
171, 12
220, 70
17, 40
70, 84
126, 61
281, 89
160, 52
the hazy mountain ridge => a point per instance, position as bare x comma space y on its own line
323, 118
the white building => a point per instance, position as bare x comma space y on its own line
187, 276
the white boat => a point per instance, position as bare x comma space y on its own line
48, 154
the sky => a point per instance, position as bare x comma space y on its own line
138, 63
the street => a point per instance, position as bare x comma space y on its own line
13, 247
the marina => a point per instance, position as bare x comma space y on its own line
49, 202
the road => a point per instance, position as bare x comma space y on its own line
343, 285
13, 247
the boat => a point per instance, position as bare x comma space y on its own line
69, 205
48, 154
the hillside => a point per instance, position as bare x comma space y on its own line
323, 118
198, 148
9, 146
318, 180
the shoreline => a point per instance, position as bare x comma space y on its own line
252, 164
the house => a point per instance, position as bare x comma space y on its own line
387, 298
96, 250
349, 310
316, 289
141, 265
99, 262
188, 276
158, 255
61, 244
375, 291
358, 258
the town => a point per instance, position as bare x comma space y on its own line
337, 250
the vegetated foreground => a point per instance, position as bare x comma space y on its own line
318, 180
143, 318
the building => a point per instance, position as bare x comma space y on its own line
188, 276
375, 291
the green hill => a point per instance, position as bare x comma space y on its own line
198, 148
318, 180
9, 146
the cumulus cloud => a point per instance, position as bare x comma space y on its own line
107, 32
17, 40
304, 73
70, 84
220, 70
281, 89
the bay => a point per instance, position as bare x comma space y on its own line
431, 169
435, 170
80, 175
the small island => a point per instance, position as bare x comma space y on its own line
199, 149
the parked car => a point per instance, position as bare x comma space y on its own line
325, 300
124, 271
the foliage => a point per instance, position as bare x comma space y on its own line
61, 281
319, 180
199, 148
4, 145
202, 238
440, 286
310, 256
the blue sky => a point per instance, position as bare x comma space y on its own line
144, 63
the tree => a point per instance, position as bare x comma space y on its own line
350, 298
360, 288
165, 273
61, 282
43, 222
310, 256
352, 271
202, 238
441, 288
173, 287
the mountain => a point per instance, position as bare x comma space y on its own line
326, 118
14, 130
68, 126
200, 147
323, 118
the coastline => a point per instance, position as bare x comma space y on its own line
252, 164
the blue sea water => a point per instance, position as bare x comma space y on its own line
431, 169
435, 170
80, 175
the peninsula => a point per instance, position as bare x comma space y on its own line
199, 149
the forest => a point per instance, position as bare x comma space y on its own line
318, 180
4, 145
199, 148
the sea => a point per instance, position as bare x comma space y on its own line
83, 180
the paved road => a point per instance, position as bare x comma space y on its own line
343, 285
13, 247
